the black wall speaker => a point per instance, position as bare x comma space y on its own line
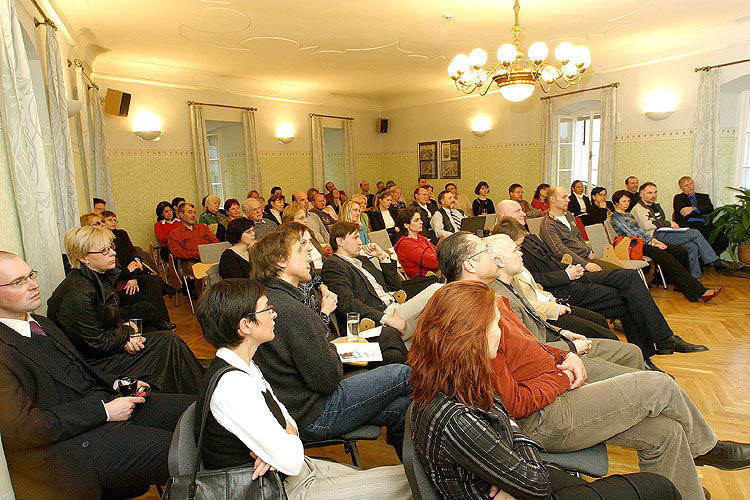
117, 102
383, 125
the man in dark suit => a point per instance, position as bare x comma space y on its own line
65, 434
426, 211
691, 209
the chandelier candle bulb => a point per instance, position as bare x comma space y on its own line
564, 52
477, 58
506, 54
538, 52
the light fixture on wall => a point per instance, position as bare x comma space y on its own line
147, 126
660, 104
480, 126
284, 133
516, 74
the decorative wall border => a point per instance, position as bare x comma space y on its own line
151, 152
670, 134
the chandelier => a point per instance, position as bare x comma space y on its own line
517, 74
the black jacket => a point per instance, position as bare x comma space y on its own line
681, 201
46, 422
538, 259
85, 306
575, 208
355, 293
377, 223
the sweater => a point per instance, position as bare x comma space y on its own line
417, 256
302, 367
183, 242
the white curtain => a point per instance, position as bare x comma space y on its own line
32, 192
706, 132
84, 137
351, 186
549, 169
62, 153
607, 139
100, 163
318, 153
200, 149
254, 180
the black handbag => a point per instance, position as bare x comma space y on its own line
223, 484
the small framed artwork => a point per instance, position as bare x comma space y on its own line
450, 159
428, 159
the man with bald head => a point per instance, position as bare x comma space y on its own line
615, 293
317, 228
65, 433
252, 209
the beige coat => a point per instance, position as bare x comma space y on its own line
525, 284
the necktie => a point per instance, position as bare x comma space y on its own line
36, 329
530, 309
455, 218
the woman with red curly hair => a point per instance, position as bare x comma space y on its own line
464, 436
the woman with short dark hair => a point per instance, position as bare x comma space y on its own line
415, 252
235, 260
540, 197
482, 205
464, 436
600, 209
166, 220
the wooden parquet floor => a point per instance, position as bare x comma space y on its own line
718, 381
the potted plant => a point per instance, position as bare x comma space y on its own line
734, 222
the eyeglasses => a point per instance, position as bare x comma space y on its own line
269, 308
486, 249
106, 250
18, 283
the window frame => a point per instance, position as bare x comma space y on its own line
743, 142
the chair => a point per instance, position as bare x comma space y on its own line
381, 238
490, 221
534, 225
211, 252
420, 484
178, 280
183, 450
593, 462
207, 272
349, 440
613, 234
366, 324
160, 265
601, 246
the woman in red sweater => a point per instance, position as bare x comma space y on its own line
165, 222
415, 252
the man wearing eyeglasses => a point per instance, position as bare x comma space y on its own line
65, 433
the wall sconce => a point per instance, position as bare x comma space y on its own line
73, 107
147, 126
284, 133
480, 126
660, 104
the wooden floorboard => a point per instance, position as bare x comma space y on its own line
716, 380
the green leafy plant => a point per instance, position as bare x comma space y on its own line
733, 221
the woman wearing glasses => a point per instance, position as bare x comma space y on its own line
86, 307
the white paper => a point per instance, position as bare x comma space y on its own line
372, 332
357, 352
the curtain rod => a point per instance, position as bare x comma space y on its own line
196, 103
46, 21
615, 85
708, 68
331, 116
77, 62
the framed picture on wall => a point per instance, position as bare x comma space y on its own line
450, 159
428, 159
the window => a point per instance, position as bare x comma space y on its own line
214, 161
743, 142
578, 149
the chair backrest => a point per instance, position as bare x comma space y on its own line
611, 233
534, 224
420, 484
212, 275
173, 277
211, 252
381, 238
200, 270
597, 238
183, 450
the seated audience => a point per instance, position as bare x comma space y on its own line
253, 193
515, 193
330, 188
351, 211
234, 212
542, 388
235, 260
184, 240
65, 432
447, 220
304, 369
430, 193
482, 205
615, 293
540, 198
211, 213
650, 216
426, 211
99, 205
384, 216
314, 222
84, 305
276, 205
661, 253
298, 214
461, 200
166, 220
600, 209
325, 212
336, 200
467, 441
631, 185
364, 217
237, 319
579, 202
379, 186
415, 252
253, 210
134, 284
690, 210
364, 187
396, 195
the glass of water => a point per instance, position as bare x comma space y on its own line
352, 327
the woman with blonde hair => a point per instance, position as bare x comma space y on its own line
463, 434
396, 193
351, 211
85, 306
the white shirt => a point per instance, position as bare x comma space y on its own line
317, 258
562, 219
387, 219
238, 405
21, 326
386, 297
437, 221
581, 203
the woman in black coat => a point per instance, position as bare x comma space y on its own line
384, 215
85, 306
235, 260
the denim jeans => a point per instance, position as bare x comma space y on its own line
695, 244
378, 397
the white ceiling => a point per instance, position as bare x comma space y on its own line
381, 49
